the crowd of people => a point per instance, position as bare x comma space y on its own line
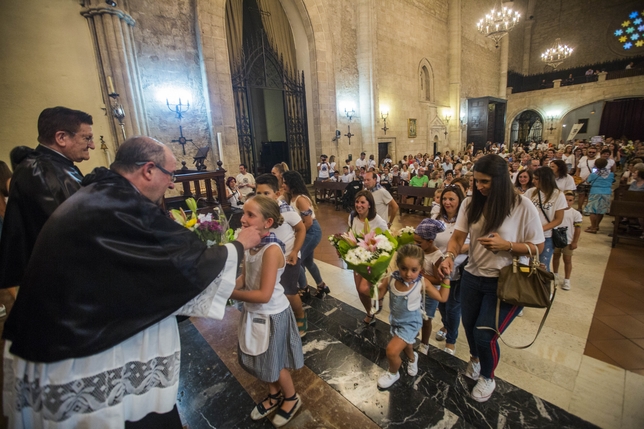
108, 298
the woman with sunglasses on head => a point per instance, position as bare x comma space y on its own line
501, 224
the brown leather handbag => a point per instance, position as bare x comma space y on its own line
525, 286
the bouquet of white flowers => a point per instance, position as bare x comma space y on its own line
367, 254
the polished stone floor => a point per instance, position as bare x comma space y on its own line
555, 383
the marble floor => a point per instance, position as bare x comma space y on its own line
551, 384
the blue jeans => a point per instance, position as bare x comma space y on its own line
312, 239
478, 307
546, 255
451, 312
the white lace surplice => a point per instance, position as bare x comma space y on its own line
132, 379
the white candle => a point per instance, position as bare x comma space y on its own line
110, 85
219, 148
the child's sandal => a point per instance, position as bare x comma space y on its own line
302, 326
259, 412
282, 417
380, 302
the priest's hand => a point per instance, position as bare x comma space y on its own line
249, 237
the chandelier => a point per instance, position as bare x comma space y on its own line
556, 55
498, 22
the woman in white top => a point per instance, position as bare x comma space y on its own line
565, 181
551, 203
232, 193
332, 165
568, 157
404, 174
365, 210
501, 224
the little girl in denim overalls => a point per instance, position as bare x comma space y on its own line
405, 317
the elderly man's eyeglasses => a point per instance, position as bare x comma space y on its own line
163, 170
89, 139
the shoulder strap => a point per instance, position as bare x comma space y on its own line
541, 206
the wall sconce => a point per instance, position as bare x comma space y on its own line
179, 109
592, 112
447, 117
384, 116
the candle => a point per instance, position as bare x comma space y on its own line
219, 148
110, 85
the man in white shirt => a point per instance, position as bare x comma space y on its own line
386, 206
606, 153
346, 177
585, 167
362, 162
245, 182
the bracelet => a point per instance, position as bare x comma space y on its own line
450, 255
510, 247
446, 286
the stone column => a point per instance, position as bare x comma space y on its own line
366, 37
111, 31
454, 59
503, 68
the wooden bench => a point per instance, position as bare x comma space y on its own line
629, 205
419, 195
323, 188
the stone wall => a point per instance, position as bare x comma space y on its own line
585, 25
169, 65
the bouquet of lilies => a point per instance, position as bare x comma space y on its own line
367, 254
209, 230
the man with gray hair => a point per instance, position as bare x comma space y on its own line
92, 340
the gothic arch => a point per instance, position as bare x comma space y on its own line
425, 75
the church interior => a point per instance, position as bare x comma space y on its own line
258, 82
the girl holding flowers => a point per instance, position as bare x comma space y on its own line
406, 286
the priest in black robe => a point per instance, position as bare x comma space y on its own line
44, 178
92, 340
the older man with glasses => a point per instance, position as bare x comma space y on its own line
44, 178
95, 319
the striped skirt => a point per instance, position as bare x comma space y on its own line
284, 349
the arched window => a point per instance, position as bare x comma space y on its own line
424, 84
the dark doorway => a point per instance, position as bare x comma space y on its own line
383, 151
272, 153
486, 121
527, 127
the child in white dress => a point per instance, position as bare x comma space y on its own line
269, 342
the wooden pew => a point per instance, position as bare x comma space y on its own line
419, 194
629, 205
336, 190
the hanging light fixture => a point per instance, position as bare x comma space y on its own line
556, 54
499, 22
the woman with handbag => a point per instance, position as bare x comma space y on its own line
501, 224
551, 203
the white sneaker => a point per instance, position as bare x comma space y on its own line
388, 379
423, 348
566, 284
441, 335
483, 389
473, 370
520, 313
447, 350
412, 367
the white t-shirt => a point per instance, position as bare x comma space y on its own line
323, 172
286, 231
371, 164
245, 179
571, 217
557, 202
331, 168
358, 225
585, 166
566, 184
361, 163
382, 198
441, 240
347, 178
430, 261
569, 160
521, 226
